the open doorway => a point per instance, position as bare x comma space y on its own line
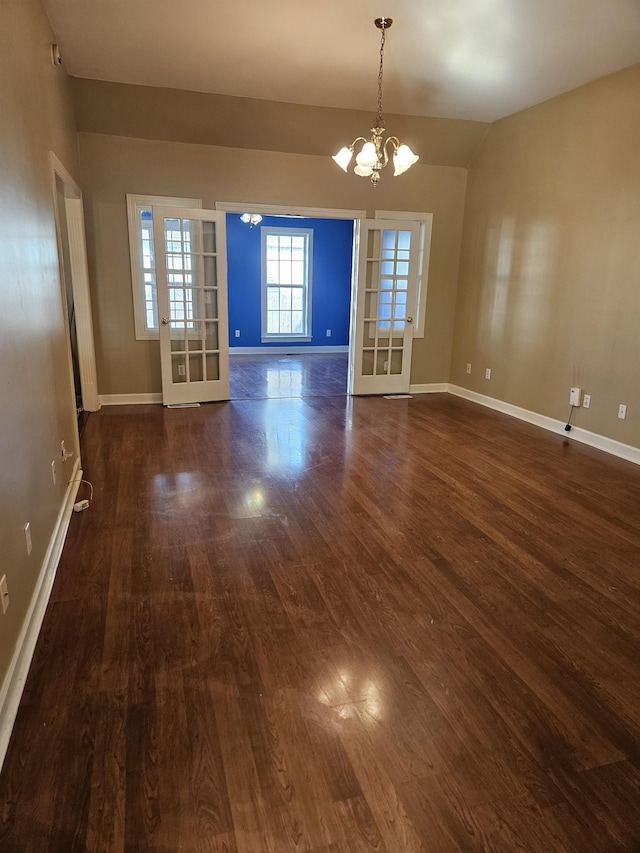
289, 281
72, 257
192, 317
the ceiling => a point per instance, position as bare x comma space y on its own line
469, 59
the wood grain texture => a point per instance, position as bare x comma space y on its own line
336, 626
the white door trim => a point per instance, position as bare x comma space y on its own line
290, 210
79, 280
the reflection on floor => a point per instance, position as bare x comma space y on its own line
314, 375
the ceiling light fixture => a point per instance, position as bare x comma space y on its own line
373, 155
251, 218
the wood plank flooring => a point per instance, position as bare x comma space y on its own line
300, 375
336, 626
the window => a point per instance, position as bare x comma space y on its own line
286, 283
143, 262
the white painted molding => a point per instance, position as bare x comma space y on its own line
600, 442
15, 680
79, 274
82, 301
292, 350
429, 388
289, 210
129, 399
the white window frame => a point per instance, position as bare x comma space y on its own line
136, 203
293, 232
425, 221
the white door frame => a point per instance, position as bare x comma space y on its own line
79, 280
313, 213
424, 218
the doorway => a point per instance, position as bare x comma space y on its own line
74, 277
383, 303
289, 281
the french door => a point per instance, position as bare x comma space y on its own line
384, 308
191, 278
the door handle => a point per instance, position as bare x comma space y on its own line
409, 320
165, 321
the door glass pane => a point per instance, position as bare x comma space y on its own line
179, 368
372, 275
371, 306
382, 362
370, 328
211, 304
368, 356
196, 337
196, 371
210, 272
211, 339
373, 244
404, 239
176, 331
212, 366
395, 364
209, 237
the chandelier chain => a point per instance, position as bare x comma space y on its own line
379, 119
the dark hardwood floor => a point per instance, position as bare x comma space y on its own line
274, 376
336, 625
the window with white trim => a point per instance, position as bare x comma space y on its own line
143, 259
286, 283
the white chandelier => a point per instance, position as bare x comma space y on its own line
373, 155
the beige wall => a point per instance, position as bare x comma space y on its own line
37, 405
549, 288
113, 166
173, 115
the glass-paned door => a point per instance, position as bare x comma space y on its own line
385, 307
191, 271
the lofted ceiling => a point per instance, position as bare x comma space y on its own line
468, 59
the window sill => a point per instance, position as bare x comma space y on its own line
288, 339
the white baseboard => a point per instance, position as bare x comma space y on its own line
128, 399
15, 680
292, 350
429, 388
601, 442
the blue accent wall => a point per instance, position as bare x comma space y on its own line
330, 286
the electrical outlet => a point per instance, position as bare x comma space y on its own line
328, 333
487, 373
27, 536
237, 333
64, 453
586, 401
468, 368
4, 594
622, 411
53, 471
574, 397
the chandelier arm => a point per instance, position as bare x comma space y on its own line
357, 139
